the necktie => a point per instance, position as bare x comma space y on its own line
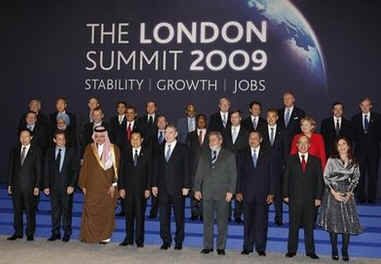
150, 120
255, 158
287, 117
120, 120
337, 127
234, 134
136, 157
23, 152
161, 138
30, 127
366, 123
168, 153
214, 156
224, 120
129, 131
272, 136
255, 123
200, 137
304, 164
58, 160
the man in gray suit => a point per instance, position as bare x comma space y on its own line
215, 183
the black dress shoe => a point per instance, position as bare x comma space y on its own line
152, 215
140, 245
290, 254
313, 256
278, 222
345, 258
246, 252
165, 246
201, 218
194, 217
238, 220
261, 253
54, 237
125, 242
66, 238
206, 250
29, 238
221, 252
371, 202
14, 237
335, 257
178, 246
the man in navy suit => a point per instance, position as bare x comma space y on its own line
24, 177
118, 125
186, 124
221, 120
171, 183
367, 136
60, 178
256, 188
61, 107
254, 121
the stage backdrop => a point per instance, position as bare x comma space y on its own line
178, 52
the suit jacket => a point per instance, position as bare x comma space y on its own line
28, 176
118, 132
255, 183
41, 137
303, 187
293, 127
182, 128
135, 180
68, 177
53, 122
240, 143
42, 119
147, 129
195, 150
328, 132
367, 143
216, 124
214, 181
249, 125
86, 136
172, 176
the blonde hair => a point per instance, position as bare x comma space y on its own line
311, 121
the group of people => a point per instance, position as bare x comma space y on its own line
253, 162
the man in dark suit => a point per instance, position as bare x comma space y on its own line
334, 127
256, 188
235, 140
302, 190
118, 125
197, 141
254, 122
367, 136
215, 183
134, 186
61, 107
172, 182
71, 139
39, 131
24, 177
60, 177
92, 103
88, 129
274, 138
156, 144
290, 116
186, 124
34, 106
148, 122
221, 120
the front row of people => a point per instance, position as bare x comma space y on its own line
106, 173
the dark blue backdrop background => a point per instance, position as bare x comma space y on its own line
44, 45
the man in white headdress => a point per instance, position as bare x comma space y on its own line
98, 181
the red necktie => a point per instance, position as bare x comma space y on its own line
129, 131
304, 164
200, 137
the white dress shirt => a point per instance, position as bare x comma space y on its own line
224, 116
254, 120
136, 149
132, 124
236, 130
120, 118
173, 145
256, 150
335, 119
203, 134
305, 156
27, 147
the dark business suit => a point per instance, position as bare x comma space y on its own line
279, 154
118, 131
367, 150
183, 129
216, 124
53, 122
302, 189
293, 126
147, 128
328, 131
42, 119
171, 177
135, 179
214, 181
248, 124
86, 136
58, 182
40, 137
255, 184
195, 149
23, 179
241, 143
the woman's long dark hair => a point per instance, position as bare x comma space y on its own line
351, 155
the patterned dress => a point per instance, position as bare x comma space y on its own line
336, 216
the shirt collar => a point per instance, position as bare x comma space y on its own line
27, 146
138, 149
173, 144
305, 156
256, 149
272, 126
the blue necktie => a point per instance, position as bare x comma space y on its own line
255, 158
58, 159
287, 117
136, 158
168, 154
214, 156
160, 137
366, 123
